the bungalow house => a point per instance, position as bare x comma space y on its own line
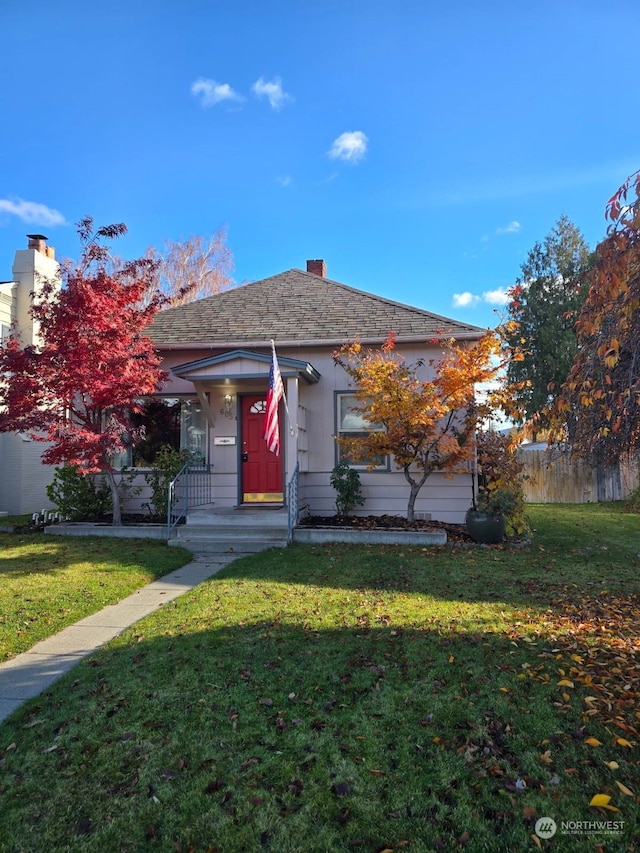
23, 477
217, 352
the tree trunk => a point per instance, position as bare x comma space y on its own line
115, 498
413, 494
415, 485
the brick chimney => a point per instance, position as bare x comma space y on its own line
38, 242
317, 268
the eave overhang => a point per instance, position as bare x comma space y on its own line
220, 366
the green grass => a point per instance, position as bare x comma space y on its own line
49, 582
335, 698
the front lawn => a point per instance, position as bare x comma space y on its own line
49, 582
336, 698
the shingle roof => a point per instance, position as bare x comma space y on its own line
296, 306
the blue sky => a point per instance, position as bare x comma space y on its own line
420, 148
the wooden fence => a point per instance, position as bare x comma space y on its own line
557, 478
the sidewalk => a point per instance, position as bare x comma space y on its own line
28, 674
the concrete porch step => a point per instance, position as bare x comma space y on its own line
239, 517
232, 530
227, 544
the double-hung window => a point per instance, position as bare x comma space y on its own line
352, 424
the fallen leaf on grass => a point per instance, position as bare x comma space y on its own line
215, 785
624, 789
593, 741
602, 801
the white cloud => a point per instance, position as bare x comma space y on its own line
284, 180
350, 146
499, 296
512, 228
465, 300
32, 211
211, 92
273, 91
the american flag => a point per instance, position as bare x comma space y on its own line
271, 432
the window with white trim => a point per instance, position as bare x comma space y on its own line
351, 423
178, 422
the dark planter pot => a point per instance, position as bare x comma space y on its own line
486, 528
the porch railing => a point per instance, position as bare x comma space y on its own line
292, 503
191, 487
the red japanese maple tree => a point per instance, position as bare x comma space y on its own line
78, 388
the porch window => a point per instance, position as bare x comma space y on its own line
352, 424
174, 422
193, 430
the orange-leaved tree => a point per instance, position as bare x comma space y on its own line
598, 411
425, 424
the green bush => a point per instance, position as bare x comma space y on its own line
500, 481
346, 482
78, 496
167, 464
632, 502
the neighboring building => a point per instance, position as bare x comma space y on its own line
23, 477
218, 351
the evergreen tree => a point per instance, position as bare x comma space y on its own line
545, 302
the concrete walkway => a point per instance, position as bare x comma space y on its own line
28, 674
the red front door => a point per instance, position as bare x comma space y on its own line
261, 469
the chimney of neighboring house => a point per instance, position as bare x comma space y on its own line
39, 243
317, 268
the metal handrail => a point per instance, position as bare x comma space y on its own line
192, 486
293, 487
173, 508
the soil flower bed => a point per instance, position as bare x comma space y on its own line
455, 532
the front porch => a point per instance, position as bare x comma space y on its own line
232, 390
